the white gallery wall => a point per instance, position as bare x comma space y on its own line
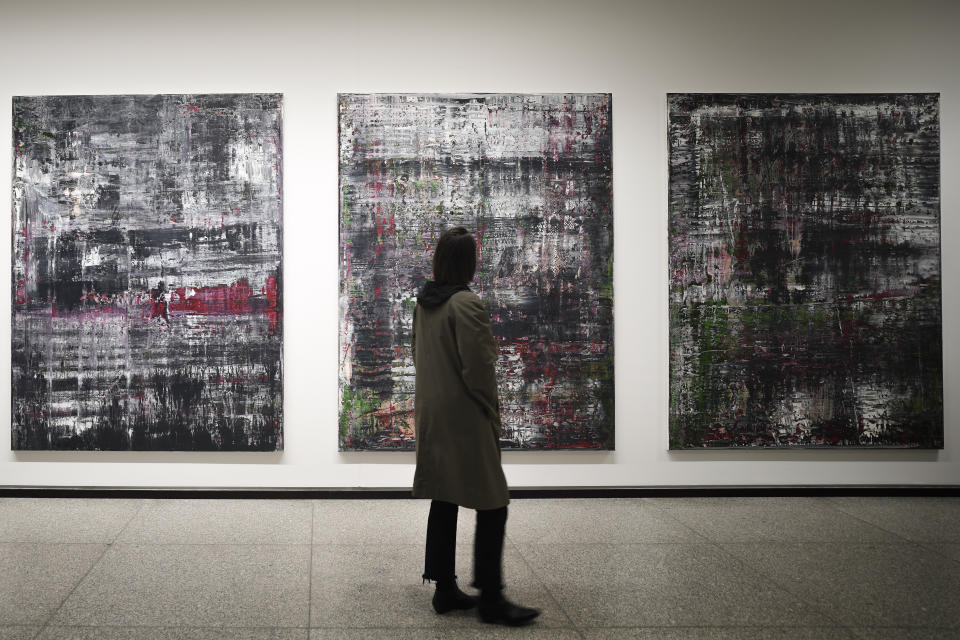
636, 50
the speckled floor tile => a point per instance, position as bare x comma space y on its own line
488, 632
35, 578
194, 585
903, 633
946, 549
587, 521
919, 519
64, 520
379, 522
634, 585
221, 522
18, 632
771, 520
170, 633
699, 569
348, 578
720, 633
863, 585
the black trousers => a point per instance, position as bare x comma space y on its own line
487, 546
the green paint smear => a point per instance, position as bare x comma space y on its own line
606, 288
355, 407
345, 207
720, 334
602, 371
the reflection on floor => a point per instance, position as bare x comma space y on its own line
707, 568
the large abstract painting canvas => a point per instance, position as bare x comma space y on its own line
530, 176
147, 272
805, 270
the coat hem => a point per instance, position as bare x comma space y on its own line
466, 504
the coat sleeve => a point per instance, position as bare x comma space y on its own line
478, 354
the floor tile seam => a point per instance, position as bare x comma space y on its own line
711, 543
481, 626
663, 511
746, 626
54, 543
546, 587
581, 543
831, 505
916, 546
108, 547
843, 543
313, 518
93, 565
698, 543
206, 544
381, 543
358, 545
515, 542
176, 626
439, 627
925, 546
900, 626
142, 507
772, 580
839, 508
583, 629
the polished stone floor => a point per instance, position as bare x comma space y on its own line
705, 568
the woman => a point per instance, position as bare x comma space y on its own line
457, 420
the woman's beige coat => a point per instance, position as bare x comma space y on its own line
457, 408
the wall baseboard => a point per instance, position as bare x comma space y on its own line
518, 493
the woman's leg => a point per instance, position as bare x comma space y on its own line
441, 542
439, 565
488, 571
488, 551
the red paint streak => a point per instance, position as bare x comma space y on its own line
21, 293
880, 295
234, 299
480, 232
96, 298
554, 409
158, 309
222, 299
889, 294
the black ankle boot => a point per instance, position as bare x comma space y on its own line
496, 609
448, 597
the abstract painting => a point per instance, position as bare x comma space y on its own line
147, 245
530, 175
804, 241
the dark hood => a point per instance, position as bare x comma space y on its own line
433, 295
